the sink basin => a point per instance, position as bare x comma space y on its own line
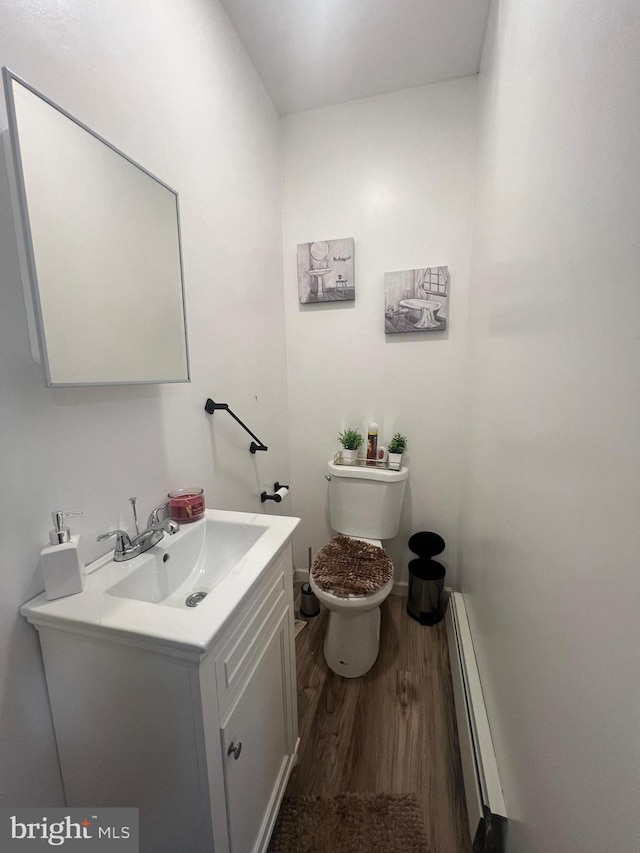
214, 562
194, 560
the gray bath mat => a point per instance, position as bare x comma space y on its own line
349, 823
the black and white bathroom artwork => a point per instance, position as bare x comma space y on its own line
325, 271
416, 300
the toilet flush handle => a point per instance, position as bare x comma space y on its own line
327, 476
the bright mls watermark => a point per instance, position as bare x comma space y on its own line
104, 830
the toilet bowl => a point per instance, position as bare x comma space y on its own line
365, 504
352, 640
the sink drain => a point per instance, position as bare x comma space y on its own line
195, 598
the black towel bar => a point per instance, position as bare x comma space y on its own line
210, 407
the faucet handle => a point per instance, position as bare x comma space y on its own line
153, 517
123, 542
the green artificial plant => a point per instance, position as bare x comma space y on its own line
351, 439
398, 443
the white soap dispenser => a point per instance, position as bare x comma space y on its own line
62, 569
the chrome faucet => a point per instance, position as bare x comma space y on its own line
128, 548
152, 534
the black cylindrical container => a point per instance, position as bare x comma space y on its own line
426, 584
426, 579
309, 604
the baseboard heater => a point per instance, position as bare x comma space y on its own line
483, 792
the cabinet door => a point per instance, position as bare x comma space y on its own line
255, 743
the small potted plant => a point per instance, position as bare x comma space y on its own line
396, 448
351, 441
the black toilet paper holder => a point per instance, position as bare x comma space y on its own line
275, 497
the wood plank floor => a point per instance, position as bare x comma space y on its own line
391, 731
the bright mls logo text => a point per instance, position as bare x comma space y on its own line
58, 832
80, 829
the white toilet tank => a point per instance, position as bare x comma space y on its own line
366, 501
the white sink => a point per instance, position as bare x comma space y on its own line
220, 557
194, 560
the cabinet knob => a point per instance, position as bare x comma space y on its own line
235, 749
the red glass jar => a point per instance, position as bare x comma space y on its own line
186, 505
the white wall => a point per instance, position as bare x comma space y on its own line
169, 84
395, 173
550, 541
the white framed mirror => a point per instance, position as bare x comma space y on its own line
101, 258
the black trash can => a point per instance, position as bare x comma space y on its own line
426, 579
426, 583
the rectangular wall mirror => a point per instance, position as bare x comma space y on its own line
99, 239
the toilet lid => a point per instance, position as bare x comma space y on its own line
346, 566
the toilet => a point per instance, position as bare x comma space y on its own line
352, 575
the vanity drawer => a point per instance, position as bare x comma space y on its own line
233, 662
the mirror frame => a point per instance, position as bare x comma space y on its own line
26, 250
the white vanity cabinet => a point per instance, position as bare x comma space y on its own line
202, 741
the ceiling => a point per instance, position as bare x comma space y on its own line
313, 53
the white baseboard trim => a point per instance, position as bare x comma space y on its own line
400, 588
485, 802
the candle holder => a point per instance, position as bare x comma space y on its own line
186, 505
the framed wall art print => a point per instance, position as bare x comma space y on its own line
325, 271
416, 300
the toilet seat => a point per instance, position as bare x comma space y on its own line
349, 567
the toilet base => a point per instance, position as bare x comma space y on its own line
352, 642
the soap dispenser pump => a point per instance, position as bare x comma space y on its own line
62, 569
